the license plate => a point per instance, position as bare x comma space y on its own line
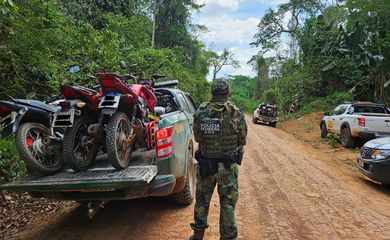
64, 119
361, 163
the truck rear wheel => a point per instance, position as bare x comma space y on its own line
119, 146
347, 140
37, 157
187, 195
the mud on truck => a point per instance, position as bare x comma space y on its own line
169, 169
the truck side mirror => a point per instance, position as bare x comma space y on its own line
326, 113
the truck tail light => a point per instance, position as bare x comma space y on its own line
361, 122
164, 141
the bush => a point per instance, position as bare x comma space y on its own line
11, 166
333, 140
322, 104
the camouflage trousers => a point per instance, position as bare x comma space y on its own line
227, 180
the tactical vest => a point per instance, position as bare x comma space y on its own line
217, 134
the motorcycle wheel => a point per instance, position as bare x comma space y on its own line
28, 140
118, 142
79, 149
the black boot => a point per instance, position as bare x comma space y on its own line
198, 235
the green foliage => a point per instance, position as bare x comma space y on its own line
149, 59
343, 54
244, 92
333, 140
324, 104
43, 39
11, 166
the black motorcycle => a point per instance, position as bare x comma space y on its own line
31, 121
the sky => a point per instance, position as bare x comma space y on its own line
232, 24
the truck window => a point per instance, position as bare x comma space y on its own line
190, 103
339, 110
183, 103
369, 109
165, 98
342, 110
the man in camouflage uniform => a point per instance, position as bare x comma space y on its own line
220, 129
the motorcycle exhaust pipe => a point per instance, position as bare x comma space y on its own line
97, 132
140, 132
49, 140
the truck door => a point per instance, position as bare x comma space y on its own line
331, 118
339, 118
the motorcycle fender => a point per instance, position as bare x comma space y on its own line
13, 126
109, 111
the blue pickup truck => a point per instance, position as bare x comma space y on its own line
167, 170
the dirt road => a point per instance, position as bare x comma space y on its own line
288, 190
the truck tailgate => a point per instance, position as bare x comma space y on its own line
378, 123
97, 179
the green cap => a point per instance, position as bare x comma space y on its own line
220, 87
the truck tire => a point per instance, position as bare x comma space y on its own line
324, 131
118, 131
75, 155
346, 138
28, 140
254, 120
273, 124
187, 195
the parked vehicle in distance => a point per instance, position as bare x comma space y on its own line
363, 120
374, 160
266, 113
167, 170
31, 121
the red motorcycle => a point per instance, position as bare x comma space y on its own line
126, 108
79, 111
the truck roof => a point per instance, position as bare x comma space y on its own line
358, 103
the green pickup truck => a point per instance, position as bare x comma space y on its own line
167, 170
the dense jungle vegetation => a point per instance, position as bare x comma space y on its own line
40, 40
332, 51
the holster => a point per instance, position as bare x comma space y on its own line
207, 166
232, 157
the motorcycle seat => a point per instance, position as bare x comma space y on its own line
38, 104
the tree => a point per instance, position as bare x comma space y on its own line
287, 18
262, 66
218, 61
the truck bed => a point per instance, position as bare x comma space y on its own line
101, 177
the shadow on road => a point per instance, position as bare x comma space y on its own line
385, 189
117, 220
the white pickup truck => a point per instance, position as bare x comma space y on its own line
356, 120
